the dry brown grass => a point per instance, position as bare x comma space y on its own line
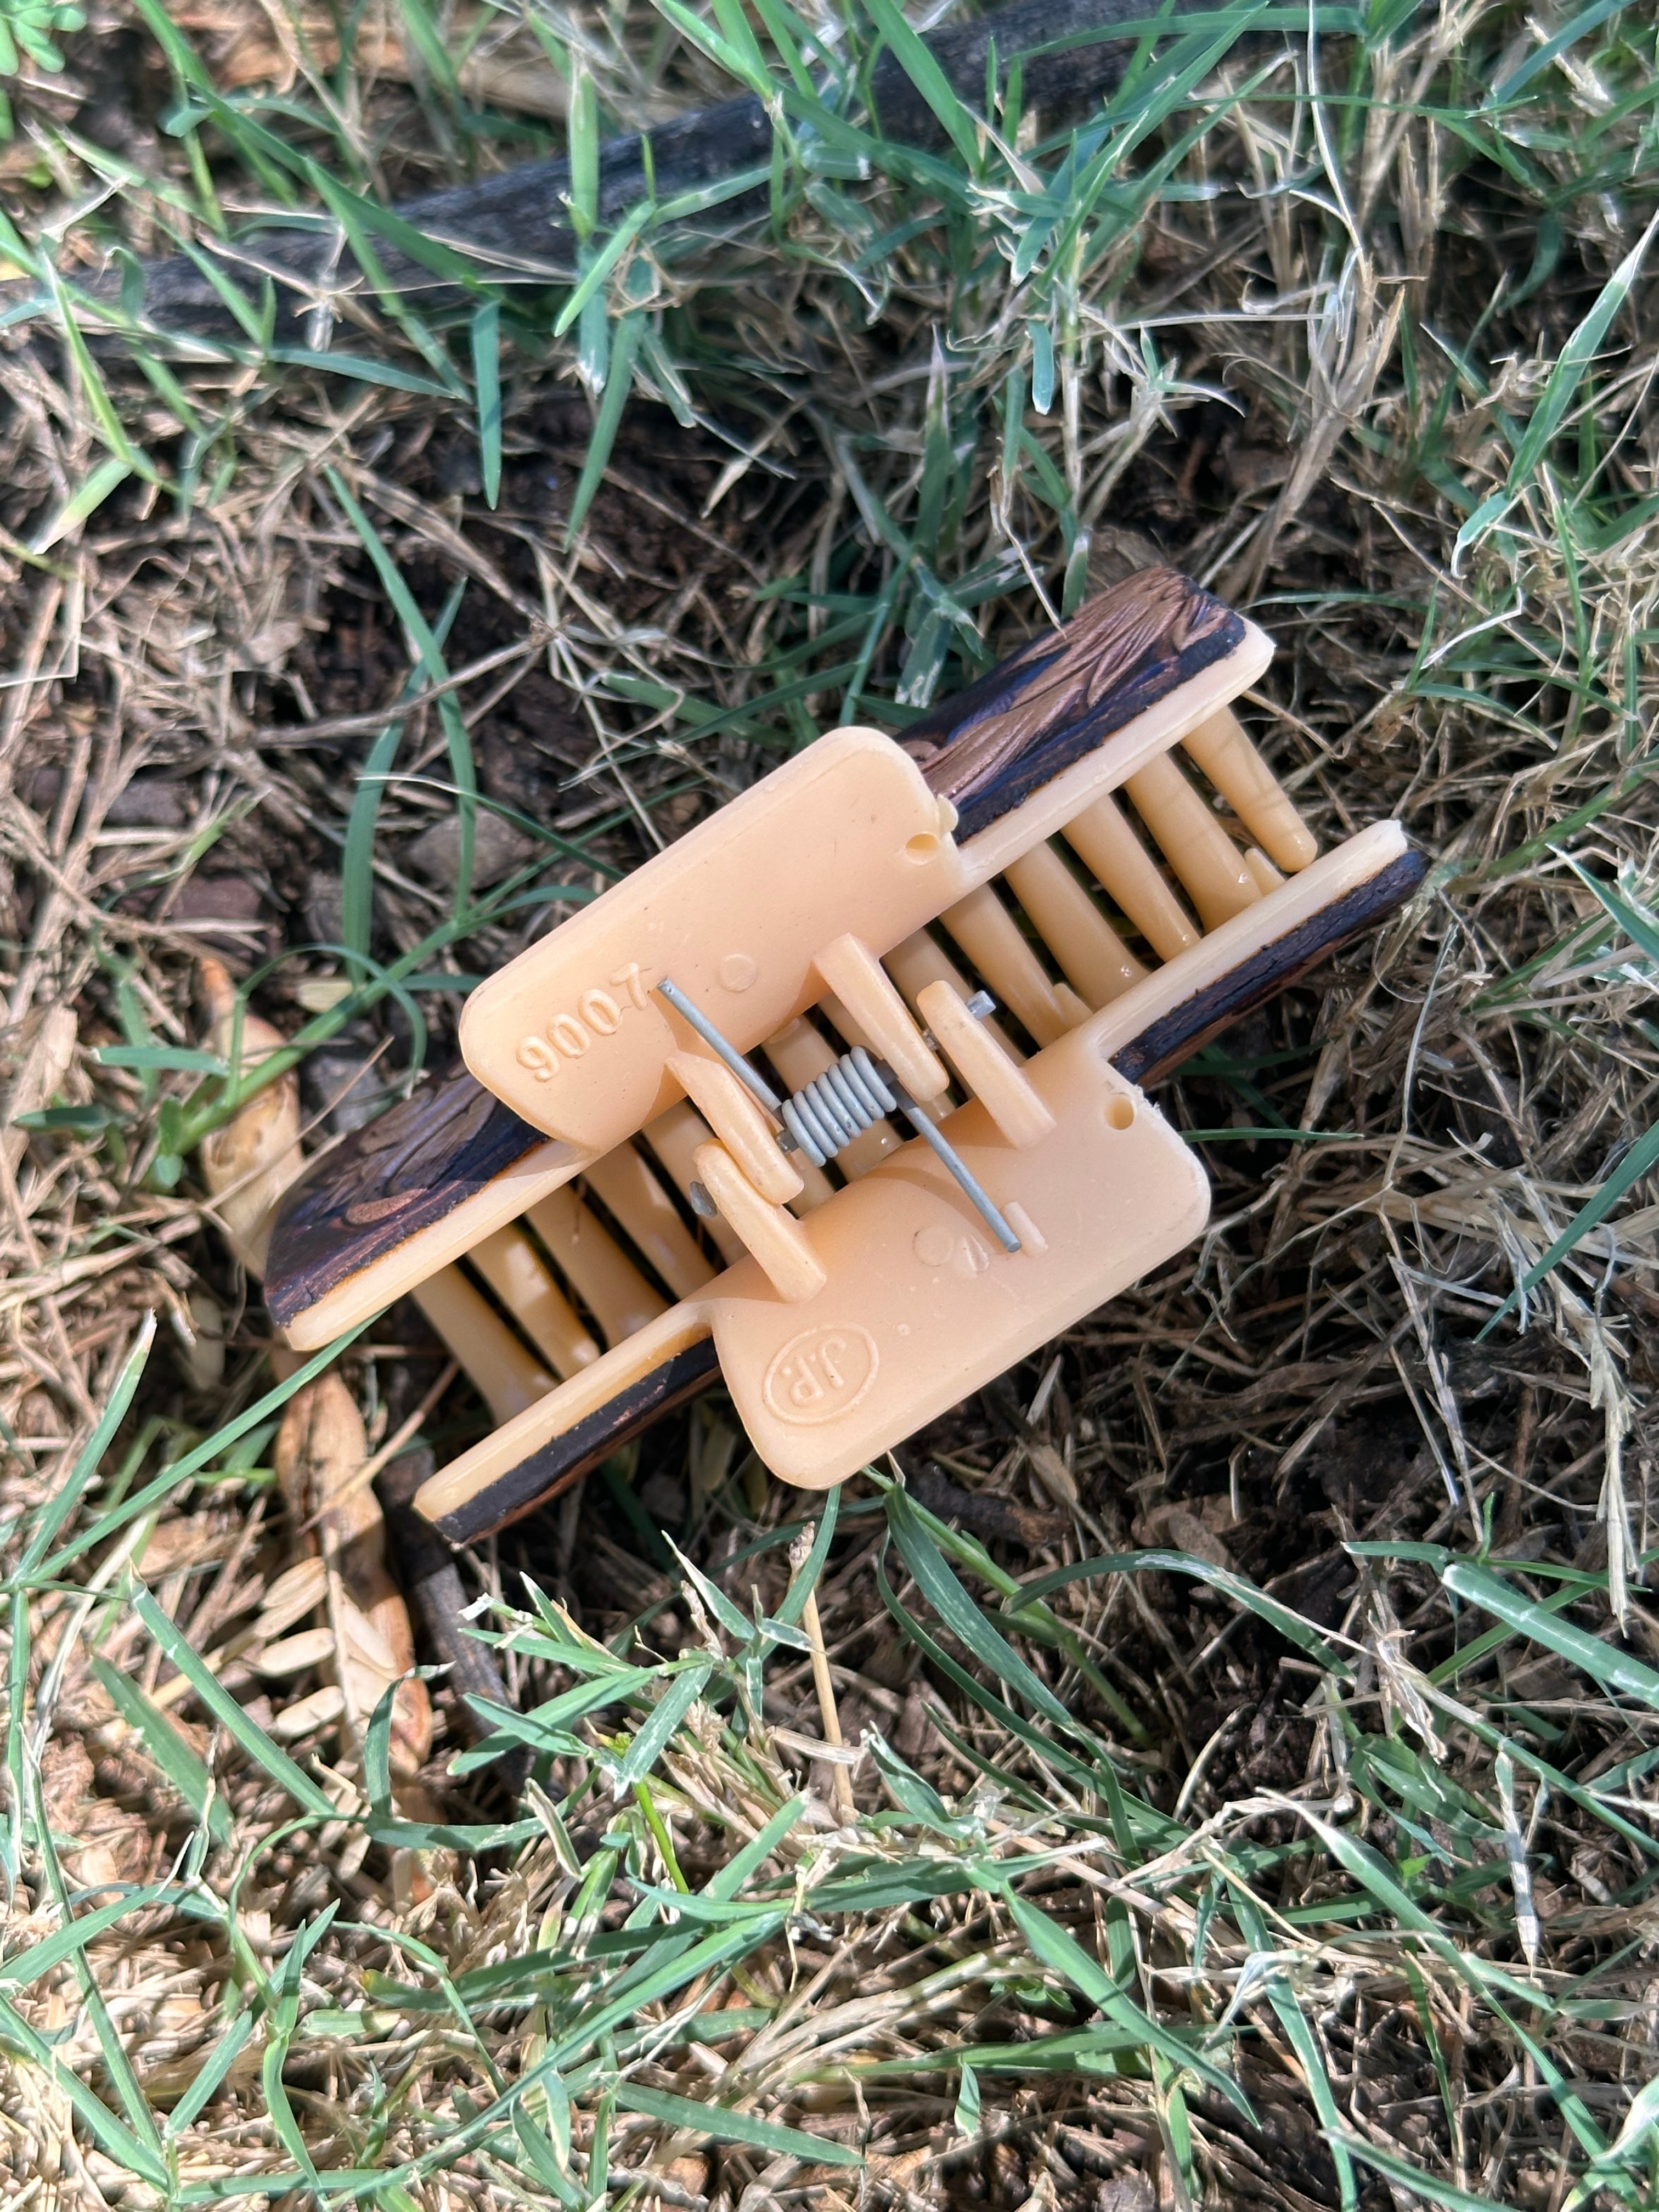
1403, 1897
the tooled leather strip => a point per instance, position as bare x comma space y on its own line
1066, 691
418, 1163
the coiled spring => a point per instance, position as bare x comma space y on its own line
825, 1115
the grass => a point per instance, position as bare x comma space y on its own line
1254, 1705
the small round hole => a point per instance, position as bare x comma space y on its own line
922, 847
1119, 1112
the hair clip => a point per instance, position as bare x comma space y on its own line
841, 1098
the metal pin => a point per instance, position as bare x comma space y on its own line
996, 1220
722, 1047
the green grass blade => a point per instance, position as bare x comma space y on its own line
429, 42
754, 1855
180, 1470
1613, 1669
1287, 2008
1416, 2180
254, 1741
734, 60
87, 500
180, 1765
1050, 1943
105, 412
582, 148
1366, 1864
1291, 1625
211, 2075
117, 2141
946, 1597
57, 1510
487, 383
625, 346
721, 2124
599, 268
357, 854
1567, 37
25, 1968
667, 1715
428, 653
919, 63
285, 2018
359, 368
118, 2063
1575, 358
1571, 368
1641, 1156
804, 1580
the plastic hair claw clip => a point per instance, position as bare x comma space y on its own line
842, 1097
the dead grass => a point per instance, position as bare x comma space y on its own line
1349, 1901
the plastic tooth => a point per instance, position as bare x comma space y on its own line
817, 1190
1001, 1087
595, 1265
773, 1236
731, 1113
1209, 866
863, 986
1104, 840
506, 1374
510, 1264
674, 1138
1224, 752
919, 961
623, 1182
990, 937
1088, 951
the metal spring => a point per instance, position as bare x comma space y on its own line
840, 1104
826, 1115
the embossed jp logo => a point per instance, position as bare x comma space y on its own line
821, 1374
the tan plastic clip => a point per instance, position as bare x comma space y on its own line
943, 1232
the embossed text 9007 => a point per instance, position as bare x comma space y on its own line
599, 1015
